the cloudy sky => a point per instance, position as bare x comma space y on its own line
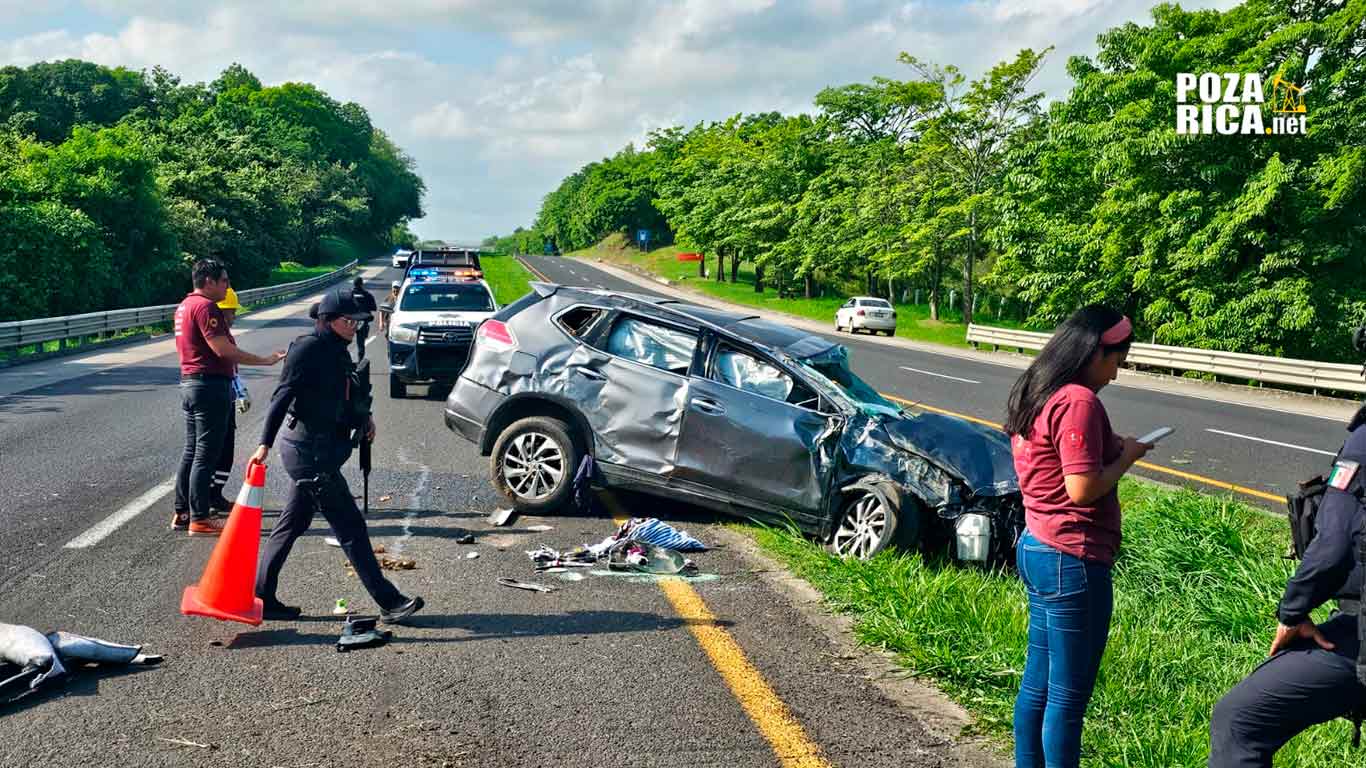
498, 100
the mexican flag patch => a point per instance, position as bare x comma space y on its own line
1343, 472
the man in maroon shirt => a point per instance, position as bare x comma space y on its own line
208, 359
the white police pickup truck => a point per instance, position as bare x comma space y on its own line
432, 329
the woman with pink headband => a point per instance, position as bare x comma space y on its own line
1069, 461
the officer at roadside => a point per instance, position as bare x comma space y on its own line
1311, 675
208, 360
367, 304
315, 394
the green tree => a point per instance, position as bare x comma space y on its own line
968, 138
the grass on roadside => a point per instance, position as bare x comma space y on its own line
293, 271
1195, 593
913, 320
507, 277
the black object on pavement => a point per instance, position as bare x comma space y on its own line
362, 632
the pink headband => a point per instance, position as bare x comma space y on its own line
1117, 333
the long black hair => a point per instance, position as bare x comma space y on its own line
1061, 362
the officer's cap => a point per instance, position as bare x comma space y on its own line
341, 302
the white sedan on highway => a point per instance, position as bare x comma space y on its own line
401, 258
866, 313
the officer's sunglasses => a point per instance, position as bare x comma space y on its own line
351, 321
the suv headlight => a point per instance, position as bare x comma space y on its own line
403, 334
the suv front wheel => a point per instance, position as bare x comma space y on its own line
534, 461
875, 516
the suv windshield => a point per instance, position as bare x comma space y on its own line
833, 366
446, 297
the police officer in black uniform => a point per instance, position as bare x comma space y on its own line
317, 401
1311, 676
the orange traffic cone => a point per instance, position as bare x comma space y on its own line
227, 590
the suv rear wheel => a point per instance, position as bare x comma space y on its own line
534, 461
876, 516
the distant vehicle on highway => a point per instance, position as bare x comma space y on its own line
730, 412
866, 313
401, 258
432, 328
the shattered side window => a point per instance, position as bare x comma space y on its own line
577, 321
659, 346
750, 374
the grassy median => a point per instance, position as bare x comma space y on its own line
507, 277
1196, 588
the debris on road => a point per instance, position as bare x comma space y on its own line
340, 608
40, 657
643, 557
546, 558
386, 497
362, 632
655, 531
397, 563
530, 587
500, 517
379, 549
540, 528
472, 556
26, 648
185, 743
466, 539
331, 541
571, 576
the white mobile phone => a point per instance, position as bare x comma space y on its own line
1155, 435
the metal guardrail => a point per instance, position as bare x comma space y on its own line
25, 332
1343, 377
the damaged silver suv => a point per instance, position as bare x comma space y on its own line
729, 412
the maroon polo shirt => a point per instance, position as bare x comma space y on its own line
1071, 436
197, 320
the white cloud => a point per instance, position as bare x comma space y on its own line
552, 85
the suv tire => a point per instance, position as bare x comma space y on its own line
875, 516
397, 389
533, 464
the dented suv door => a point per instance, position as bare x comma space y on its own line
755, 432
640, 374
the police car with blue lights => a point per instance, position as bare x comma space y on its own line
432, 327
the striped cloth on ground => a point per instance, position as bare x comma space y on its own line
659, 533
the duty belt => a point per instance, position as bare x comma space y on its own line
303, 432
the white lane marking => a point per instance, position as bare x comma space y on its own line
1271, 442
132, 509
414, 499
940, 375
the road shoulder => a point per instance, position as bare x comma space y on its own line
941, 717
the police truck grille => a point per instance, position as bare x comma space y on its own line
446, 336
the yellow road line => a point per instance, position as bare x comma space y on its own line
786, 737
533, 270
1144, 464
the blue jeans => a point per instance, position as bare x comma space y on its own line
1070, 602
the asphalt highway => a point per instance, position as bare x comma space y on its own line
722, 671
1261, 450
